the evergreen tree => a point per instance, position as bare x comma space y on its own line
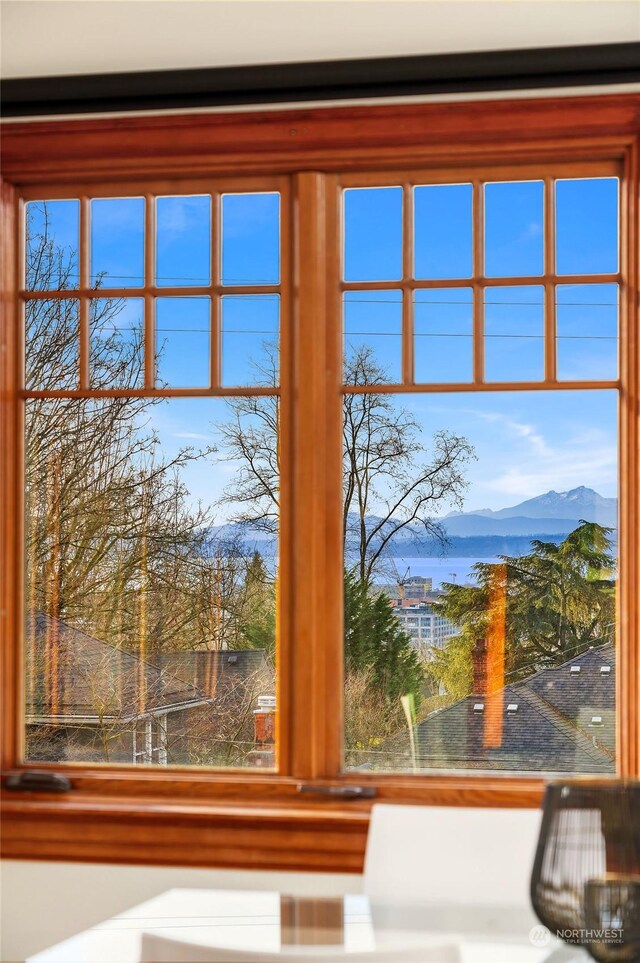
375, 641
258, 618
451, 667
559, 600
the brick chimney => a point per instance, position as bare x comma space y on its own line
479, 659
264, 725
264, 720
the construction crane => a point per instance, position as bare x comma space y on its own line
402, 581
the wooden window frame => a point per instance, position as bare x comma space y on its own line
254, 819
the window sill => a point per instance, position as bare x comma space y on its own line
281, 832
101, 829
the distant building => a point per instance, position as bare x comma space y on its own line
412, 601
426, 627
415, 587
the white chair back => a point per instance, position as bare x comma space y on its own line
162, 949
447, 854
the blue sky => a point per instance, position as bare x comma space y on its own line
526, 442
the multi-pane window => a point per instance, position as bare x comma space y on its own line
484, 282
152, 349
479, 407
351, 394
480, 472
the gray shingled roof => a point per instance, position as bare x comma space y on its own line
207, 670
551, 730
95, 678
581, 696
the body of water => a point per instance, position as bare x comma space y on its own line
439, 569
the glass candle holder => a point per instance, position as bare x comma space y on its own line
612, 918
587, 867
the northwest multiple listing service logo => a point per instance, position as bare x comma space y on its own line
540, 936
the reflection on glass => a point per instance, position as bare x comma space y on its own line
117, 242
116, 342
587, 322
514, 236
150, 610
480, 579
372, 331
250, 340
587, 225
250, 239
313, 921
51, 333
443, 324
443, 231
52, 243
373, 234
514, 333
183, 252
182, 342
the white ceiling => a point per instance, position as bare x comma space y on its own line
49, 37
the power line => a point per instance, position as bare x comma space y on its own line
382, 334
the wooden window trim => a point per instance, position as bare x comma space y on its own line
251, 819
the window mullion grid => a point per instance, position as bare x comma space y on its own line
550, 326
408, 341
478, 286
408, 285
215, 301
84, 306
149, 299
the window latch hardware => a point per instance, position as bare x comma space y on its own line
34, 781
343, 792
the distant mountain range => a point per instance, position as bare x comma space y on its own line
484, 532
554, 513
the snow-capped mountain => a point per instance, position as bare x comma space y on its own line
484, 532
573, 505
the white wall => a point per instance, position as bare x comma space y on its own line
43, 37
44, 903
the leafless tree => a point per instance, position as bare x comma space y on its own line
115, 547
222, 732
250, 439
391, 481
114, 543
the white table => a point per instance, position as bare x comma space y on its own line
252, 920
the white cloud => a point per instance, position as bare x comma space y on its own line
587, 456
177, 214
192, 436
520, 429
533, 230
518, 460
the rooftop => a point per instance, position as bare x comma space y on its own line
544, 723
